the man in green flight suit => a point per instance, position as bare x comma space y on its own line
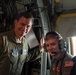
14, 47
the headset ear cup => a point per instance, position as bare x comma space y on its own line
62, 45
59, 44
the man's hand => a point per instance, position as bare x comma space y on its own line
41, 46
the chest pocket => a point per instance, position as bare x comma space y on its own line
15, 54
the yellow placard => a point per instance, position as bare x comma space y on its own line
57, 1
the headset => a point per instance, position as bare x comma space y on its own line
54, 34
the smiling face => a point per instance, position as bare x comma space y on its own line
52, 46
22, 26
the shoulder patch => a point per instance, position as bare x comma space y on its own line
69, 63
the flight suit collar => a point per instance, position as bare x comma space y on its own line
60, 58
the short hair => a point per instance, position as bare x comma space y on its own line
27, 15
53, 34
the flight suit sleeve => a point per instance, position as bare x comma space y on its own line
4, 60
33, 54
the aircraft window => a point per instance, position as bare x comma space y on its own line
72, 45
